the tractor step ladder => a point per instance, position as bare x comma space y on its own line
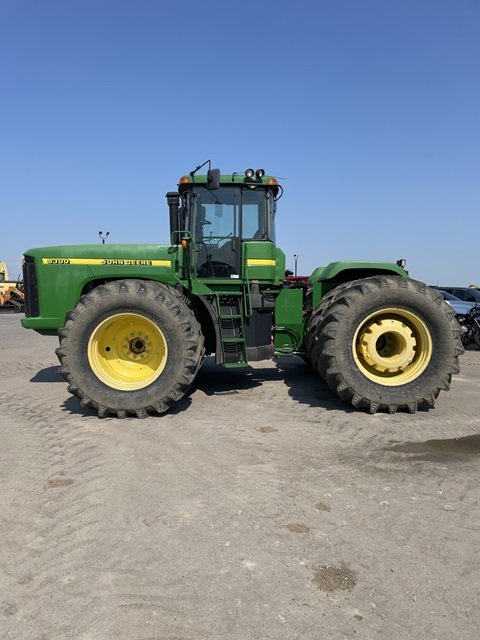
232, 330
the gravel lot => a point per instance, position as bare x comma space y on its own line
261, 507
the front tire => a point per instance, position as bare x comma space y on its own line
130, 347
386, 342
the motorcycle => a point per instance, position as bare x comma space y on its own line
470, 324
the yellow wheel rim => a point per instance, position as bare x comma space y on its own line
127, 351
392, 347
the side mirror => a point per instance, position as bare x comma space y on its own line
213, 179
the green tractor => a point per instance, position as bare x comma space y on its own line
135, 321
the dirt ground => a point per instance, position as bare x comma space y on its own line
260, 508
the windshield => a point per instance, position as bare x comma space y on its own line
449, 296
233, 212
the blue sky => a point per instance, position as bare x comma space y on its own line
368, 109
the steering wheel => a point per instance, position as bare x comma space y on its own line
214, 241
215, 268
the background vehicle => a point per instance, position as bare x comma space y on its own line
11, 293
135, 321
459, 306
468, 294
470, 324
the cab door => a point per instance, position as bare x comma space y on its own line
217, 233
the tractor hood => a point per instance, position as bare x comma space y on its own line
56, 277
145, 255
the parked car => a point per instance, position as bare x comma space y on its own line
467, 294
461, 307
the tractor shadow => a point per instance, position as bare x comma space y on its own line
307, 387
214, 380
304, 385
73, 407
49, 374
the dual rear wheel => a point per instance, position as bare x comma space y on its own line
385, 342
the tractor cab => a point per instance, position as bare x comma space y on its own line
220, 215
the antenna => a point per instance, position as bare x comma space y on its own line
209, 162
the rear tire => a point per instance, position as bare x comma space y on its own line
315, 318
130, 347
386, 342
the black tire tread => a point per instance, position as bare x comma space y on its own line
316, 317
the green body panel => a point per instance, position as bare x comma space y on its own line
262, 261
280, 272
332, 270
63, 272
324, 279
289, 321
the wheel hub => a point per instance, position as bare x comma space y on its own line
387, 345
127, 351
392, 347
136, 346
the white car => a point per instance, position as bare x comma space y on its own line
467, 294
459, 306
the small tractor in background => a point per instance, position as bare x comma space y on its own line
11, 293
135, 321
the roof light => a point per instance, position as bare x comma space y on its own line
185, 179
272, 181
259, 173
249, 173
